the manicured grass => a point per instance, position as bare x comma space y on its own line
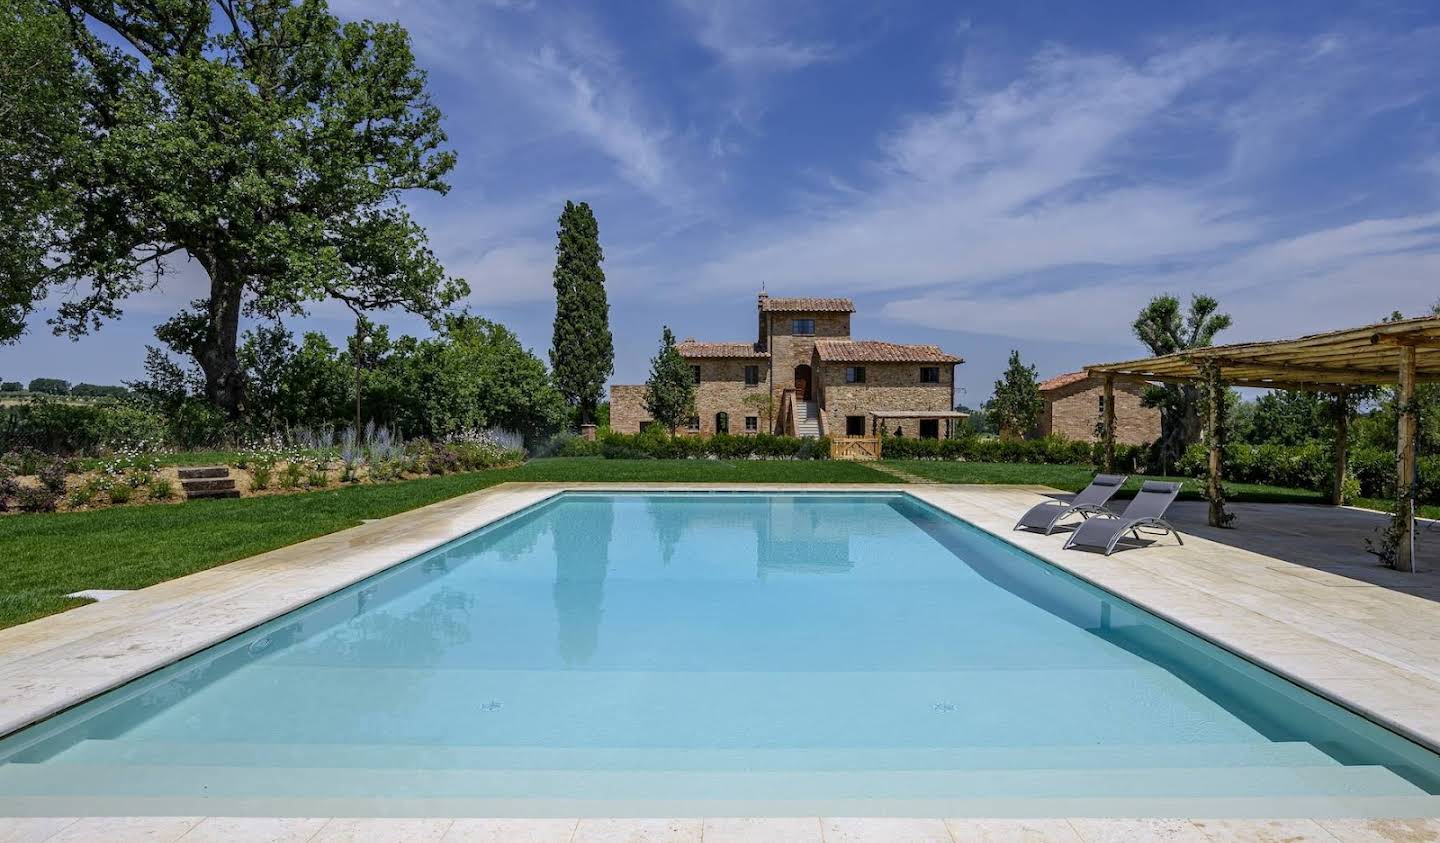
49, 556
1073, 478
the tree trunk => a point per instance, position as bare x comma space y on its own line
216, 351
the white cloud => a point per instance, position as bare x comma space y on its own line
1013, 180
1047, 207
748, 37
1335, 278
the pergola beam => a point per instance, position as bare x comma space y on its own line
1334, 362
1403, 339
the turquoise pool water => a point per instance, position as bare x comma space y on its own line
687, 654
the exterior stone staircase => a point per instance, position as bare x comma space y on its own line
208, 482
807, 418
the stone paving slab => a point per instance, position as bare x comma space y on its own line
708, 830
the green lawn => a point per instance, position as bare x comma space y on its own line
48, 556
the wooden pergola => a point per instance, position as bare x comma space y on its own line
1404, 353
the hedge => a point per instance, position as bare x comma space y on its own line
1048, 450
60, 427
656, 444
1310, 466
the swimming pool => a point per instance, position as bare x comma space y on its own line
712, 654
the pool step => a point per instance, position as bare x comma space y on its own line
208, 482
327, 782
451, 756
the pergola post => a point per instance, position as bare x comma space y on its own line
1342, 447
1108, 422
1405, 461
1215, 439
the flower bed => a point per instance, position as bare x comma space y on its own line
31, 481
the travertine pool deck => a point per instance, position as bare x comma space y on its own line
1372, 648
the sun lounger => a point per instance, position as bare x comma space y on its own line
1146, 510
1091, 501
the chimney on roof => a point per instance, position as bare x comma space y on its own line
764, 296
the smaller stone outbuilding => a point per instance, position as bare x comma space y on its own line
1074, 403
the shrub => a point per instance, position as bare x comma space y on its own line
137, 478
442, 459
1045, 450
160, 489
84, 494
9, 486
385, 470
261, 475
33, 499
52, 477
569, 444
120, 493
292, 474
316, 477
655, 443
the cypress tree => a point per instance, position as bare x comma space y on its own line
582, 354
670, 391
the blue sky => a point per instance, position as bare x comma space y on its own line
985, 176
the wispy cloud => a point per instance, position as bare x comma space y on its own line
1332, 278
1042, 207
1007, 181
749, 36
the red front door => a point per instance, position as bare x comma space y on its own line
802, 382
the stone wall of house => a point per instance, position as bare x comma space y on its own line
788, 351
627, 408
1073, 411
888, 386
723, 390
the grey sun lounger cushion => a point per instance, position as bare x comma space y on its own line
1090, 501
1146, 510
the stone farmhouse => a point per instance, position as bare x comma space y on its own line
1075, 401
805, 376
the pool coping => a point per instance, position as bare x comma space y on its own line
1317, 629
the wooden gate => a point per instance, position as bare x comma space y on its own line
858, 448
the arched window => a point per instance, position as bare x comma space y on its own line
722, 422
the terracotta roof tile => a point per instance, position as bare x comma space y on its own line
691, 348
1062, 380
804, 304
872, 351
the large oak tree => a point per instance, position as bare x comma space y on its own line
265, 140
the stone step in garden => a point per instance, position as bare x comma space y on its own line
212, 493
208, 485
208, 482
203, 472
